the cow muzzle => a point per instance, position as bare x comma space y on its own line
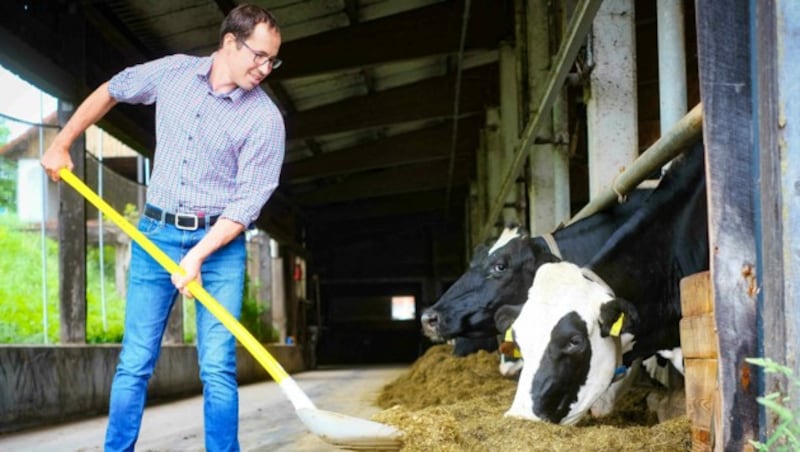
430, 325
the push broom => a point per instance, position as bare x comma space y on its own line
338, 429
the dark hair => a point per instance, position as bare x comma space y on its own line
242, 20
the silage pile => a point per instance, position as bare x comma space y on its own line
444, 403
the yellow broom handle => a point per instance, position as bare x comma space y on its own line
240, 332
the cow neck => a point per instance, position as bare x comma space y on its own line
619, 368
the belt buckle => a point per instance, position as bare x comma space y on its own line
178, 217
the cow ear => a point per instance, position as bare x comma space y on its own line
618, 316
505, 316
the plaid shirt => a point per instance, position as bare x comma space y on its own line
216, 153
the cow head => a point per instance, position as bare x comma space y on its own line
496, 276
571, 333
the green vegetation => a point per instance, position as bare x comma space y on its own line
786, 435
21, 313
21, 319
252, 313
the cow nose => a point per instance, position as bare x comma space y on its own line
430, 319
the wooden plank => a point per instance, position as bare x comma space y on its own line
701, 384
696, 294
699, 336
726, 91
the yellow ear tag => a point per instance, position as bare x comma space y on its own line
509, 337
617, 326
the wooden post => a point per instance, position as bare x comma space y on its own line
72, 245
727, 94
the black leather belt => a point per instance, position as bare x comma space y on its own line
185, 221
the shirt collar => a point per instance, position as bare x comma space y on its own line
203, 71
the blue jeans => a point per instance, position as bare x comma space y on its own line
150, 299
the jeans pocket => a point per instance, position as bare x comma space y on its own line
149, 226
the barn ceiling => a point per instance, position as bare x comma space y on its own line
367, 89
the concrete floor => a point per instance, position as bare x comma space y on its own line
267, 419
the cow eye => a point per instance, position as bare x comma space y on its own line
500, 267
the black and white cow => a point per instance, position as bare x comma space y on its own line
580, 323
501, 275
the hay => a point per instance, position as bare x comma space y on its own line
447, 404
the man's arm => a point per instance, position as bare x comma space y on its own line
89, 112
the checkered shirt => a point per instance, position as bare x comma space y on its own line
216, 153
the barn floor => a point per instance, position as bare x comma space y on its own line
267, 419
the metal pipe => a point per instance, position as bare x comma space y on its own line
43, 224
672, 143
101, 242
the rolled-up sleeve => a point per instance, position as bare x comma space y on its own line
260, 161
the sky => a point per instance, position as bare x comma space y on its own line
22, 100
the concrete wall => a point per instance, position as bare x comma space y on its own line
50, 384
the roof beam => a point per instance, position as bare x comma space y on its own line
479, 87
429, 31
428, 144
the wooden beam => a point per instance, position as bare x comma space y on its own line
727, 96
428, 144
427, 99
429, 31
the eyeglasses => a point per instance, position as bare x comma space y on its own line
262, 59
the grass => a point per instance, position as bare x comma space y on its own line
21, 289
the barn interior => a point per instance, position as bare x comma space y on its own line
416, 129
397, 114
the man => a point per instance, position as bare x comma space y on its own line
220, 145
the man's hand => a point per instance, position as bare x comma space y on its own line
56, 158
191, 267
